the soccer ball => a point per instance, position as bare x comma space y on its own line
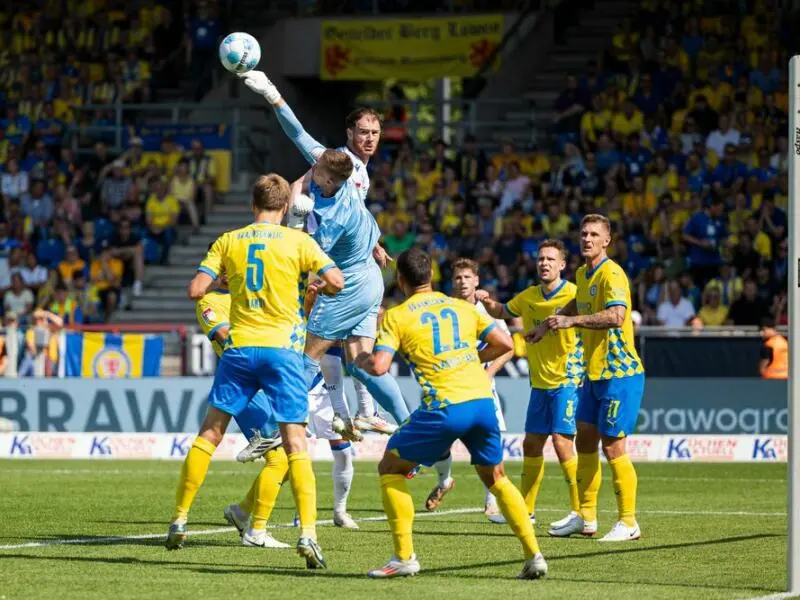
239, 52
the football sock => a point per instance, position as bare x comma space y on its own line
512, 505
193, 473
246, 505
366, 405
625, 483
444, 468
304, 489
399, 508
588, 477
269, 486
570, 468
385, 391
342, 475
532, 476
331, 365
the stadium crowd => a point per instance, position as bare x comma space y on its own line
677, 133
78, 222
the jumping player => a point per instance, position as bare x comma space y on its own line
438, 337
465, 284
614, 384
363, 130
556, 371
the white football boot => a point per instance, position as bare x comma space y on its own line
374, 423
396, 568
261, 539
344, 520
561, 522
622, 533
534, 568
258, 446
236, 517
575, 524
347, 429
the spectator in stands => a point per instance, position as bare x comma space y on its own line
727, 283
65, 306
71, 264
203, 170
202, 39
400, 239
106, 277
570, 106
161, 214
748, 309
722, 136
676, 310
33, 274
37, 205
185, 190
713, 313
86, 296
704, 234
18, 299
115, 186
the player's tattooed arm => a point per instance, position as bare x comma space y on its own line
377, 363
613, 316
496, 309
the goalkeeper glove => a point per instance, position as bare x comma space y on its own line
260, 84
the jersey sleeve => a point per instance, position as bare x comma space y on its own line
389, 334
210, 320
312, 258
212, 263
614, 290
484, 325
516, 304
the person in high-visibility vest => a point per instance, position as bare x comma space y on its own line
774, 363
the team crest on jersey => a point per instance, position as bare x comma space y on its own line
209, 315
593, 291
111, 363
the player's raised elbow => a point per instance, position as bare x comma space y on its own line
195, 290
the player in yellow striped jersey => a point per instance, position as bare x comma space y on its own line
438, 337
267, 266
614, 385
556, 371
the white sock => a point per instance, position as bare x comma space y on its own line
490, 499
366, 404
342, 476
444, 468
331, 367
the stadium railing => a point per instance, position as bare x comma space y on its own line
669, 352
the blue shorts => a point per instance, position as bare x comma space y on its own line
612, 404
242, 372
427, 435
552, 411
351, 312
257, 417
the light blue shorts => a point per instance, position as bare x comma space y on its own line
612, 404
351, 312
242, 372
552, 411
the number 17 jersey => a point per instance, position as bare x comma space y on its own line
438, 336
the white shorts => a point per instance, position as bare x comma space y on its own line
320, 413
498, 409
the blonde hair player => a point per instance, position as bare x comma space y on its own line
614, 383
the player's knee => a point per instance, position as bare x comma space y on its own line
563, 445
533, 444
391, 465
587, 439
613, 447
489, 475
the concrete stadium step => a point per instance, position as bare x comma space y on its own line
155, 316
157, 305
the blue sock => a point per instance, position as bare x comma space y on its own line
311, 368
385, 391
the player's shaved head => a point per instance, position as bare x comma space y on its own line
271, 193
336, 163
414, 266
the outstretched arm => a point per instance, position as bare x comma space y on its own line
260, 84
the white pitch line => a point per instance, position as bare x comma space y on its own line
454, 511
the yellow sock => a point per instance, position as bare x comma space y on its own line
247, 504
268, 484
588, 479
625, 483
570, 469
514, 510
193, 473
399, 508
532, 476
304, 489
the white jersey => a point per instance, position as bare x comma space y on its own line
503, 327
359, 177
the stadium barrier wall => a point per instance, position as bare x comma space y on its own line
174, 405
171, 446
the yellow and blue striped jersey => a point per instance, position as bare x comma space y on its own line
213, 311
556, 360
438, 337
267, 268
610, 353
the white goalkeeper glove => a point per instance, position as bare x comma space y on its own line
301, 207
260, 84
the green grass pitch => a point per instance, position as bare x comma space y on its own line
709, 531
